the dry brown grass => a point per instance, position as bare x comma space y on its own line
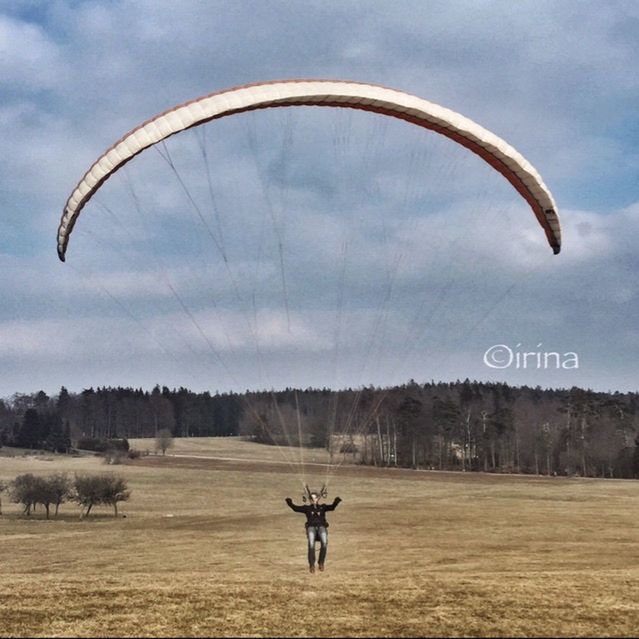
236, 448
411, 554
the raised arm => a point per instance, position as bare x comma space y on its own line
292, 506
334, 505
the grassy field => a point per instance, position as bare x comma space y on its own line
208, 547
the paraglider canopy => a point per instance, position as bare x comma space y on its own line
330, 93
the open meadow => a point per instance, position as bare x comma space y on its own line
209, 548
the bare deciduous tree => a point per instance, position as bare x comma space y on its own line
59, 486
93, 490
115, 490
163, 440
24, 489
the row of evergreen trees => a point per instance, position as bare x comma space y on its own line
44, 430
461, 425
53, 423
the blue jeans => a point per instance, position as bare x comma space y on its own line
313, 533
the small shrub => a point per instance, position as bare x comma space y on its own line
163, 440
112, 456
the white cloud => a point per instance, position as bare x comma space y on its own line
30, 60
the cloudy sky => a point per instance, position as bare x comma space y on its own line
358, 249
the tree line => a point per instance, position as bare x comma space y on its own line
462, 425
52, 423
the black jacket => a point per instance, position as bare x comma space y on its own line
315, 515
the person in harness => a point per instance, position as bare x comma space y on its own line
316, 525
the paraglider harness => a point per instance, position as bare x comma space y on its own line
306, 497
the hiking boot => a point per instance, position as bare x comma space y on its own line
321, 567
311, 569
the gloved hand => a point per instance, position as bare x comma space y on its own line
338, 499
288, 500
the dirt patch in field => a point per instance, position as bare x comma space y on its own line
359, 471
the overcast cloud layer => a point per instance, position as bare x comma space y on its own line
403, 255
